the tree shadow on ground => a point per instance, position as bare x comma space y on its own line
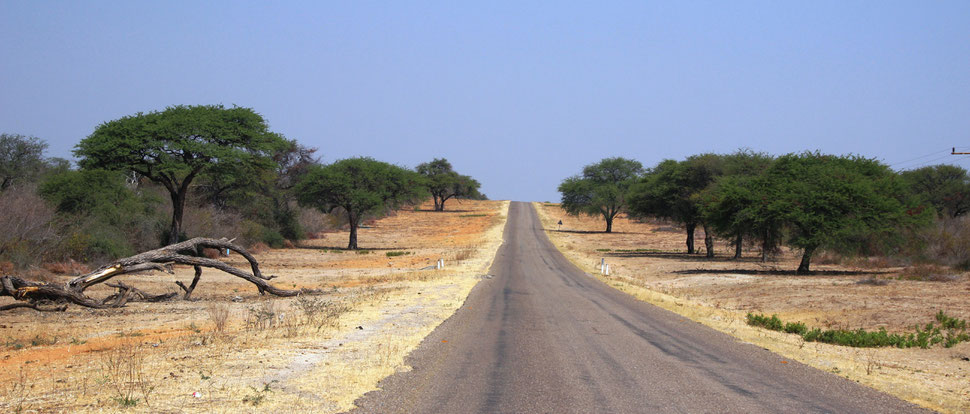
589, 231
780, 272
447, 210
345, 249
698, 257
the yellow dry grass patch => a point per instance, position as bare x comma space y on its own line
712, 294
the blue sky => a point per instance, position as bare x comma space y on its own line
517, 94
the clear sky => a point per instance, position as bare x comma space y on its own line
517, 94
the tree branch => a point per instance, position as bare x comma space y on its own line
160, 259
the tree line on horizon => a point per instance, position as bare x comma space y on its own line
156, 178
809, 201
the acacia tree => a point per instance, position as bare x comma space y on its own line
444, 183
601, 189
175, 146
731, 204
358, 186
21, 158
826, 200
945, 187
673, 189
266, 194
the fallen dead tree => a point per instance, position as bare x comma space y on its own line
56, 296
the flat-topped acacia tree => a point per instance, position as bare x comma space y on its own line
830, 201
175, 146
444, 183
358, 186
601, 189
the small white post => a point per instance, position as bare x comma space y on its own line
607, 269
602, 264
440, 264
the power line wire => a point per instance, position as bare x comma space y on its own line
930, 162
920, 157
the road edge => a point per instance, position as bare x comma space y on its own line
733, 324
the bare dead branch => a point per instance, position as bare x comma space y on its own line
161, 259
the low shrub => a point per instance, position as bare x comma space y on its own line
772, 323
949, 332
395, 254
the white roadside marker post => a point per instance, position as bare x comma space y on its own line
607, 269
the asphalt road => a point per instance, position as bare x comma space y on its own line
542, 336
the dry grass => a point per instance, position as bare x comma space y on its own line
211, 354
720, 292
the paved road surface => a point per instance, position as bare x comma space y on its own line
544, 337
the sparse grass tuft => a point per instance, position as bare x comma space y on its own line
395, 254
125, 374
258, 395
219, 315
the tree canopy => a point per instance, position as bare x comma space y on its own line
945, 187
359, 187
672, 190
444, 183
21, 158
730, 205
601, 189
175, 146
827, 200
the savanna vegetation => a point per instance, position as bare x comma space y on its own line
810, 202
189, 173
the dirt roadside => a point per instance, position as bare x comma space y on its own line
720, 292
312, 354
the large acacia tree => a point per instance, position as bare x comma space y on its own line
601, 189
827, 200
175, 146
673, 190
444, 183
359, 187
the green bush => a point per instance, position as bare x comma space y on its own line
395, 254
253, 232
951, 331
772, 323
796, 328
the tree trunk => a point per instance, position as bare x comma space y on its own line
708, 243
738, 242
353, 231
178, 207
803, 267
438, 205
690, 237
609, 224
766, 244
